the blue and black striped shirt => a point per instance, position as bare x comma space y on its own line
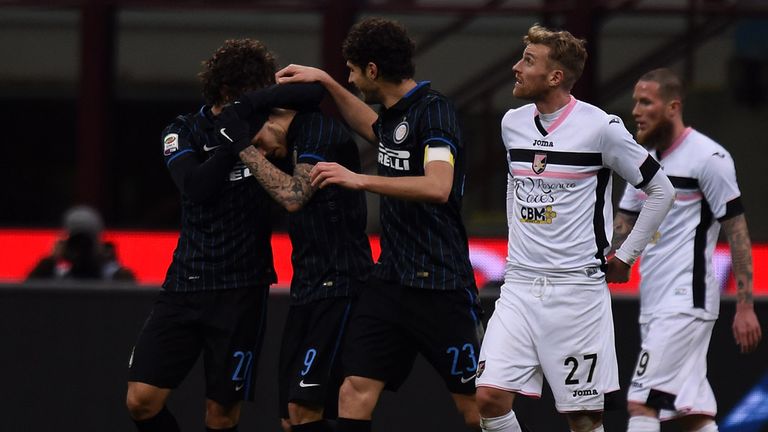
225, 221
423, 245
331, 253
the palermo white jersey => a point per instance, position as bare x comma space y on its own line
559, 209
676, 268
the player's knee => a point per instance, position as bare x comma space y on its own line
493, 402
638, 409
300, 413
467, 406
585, 421
356, 391
698, 423
142, 405
285, 425
218, 416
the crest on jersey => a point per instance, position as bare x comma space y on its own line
539, 163
401, 132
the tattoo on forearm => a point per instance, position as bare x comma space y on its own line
741, 256
622, 226
289, 191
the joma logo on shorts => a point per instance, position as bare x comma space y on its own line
590, 392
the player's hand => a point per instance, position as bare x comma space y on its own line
617, 271
232, 131
329, 173
746, 328
297, 73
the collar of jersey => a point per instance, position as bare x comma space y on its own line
205, 117
413, 95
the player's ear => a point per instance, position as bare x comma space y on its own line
556, 78
674, 108
371, 71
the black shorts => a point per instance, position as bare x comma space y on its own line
392, 323
310, 361
227, 326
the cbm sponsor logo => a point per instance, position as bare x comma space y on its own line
543, 215
395, 159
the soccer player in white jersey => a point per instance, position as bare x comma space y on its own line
679, 295
553, 319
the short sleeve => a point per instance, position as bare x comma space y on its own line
719, 186
438, 126
625, 156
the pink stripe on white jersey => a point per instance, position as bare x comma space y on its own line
554, 174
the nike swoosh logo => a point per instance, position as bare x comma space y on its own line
239, 386
206, 148
467, 379
223, 132
304, 385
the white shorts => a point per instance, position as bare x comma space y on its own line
561, 332
671, 372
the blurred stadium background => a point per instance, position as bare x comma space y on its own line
86, 87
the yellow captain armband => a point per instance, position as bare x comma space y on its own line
432, 154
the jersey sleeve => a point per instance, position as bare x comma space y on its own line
625, 156
317, 139
632, 200
176, 142
719, 186
439, 127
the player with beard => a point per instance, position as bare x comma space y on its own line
422, 297
679, 295
553, 319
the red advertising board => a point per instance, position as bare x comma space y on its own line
148, 254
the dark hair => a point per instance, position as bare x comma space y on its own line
568, 51
236, 67
384, 43
670, 85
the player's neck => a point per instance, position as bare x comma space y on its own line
678, 129
392, 92
552, 102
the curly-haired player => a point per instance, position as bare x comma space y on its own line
422, 298
214, 295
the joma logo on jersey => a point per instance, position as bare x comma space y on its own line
590, 392
395, 159
537, 215
543, 143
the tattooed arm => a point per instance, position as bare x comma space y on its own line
292, 192
746, 327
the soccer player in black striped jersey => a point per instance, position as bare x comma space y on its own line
214, 296
679, 297
331, 257
422, 298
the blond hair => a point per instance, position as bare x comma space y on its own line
566, 50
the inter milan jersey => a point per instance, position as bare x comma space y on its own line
331, 252
676, 268
423, 245
559, 208
224, 242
